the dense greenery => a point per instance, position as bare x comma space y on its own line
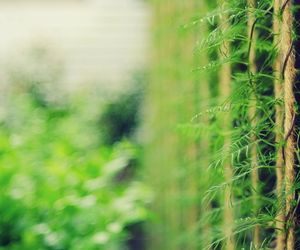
61, 186
223, 152
220, 133
121, 115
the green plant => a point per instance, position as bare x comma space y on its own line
60, 188
120, 117
246, 125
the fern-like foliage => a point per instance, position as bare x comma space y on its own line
225, 167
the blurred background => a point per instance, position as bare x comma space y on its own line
72, 77
96, 41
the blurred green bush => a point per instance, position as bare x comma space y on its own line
120, 116
60, 188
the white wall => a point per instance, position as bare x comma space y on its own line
103, 40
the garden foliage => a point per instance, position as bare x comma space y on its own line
61, 186
223, 116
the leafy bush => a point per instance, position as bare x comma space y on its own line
121, 116
59, 188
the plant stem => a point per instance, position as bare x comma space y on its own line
288, 74
203, 93
253, 114
225, 91
278, 91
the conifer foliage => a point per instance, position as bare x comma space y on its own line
222, 151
